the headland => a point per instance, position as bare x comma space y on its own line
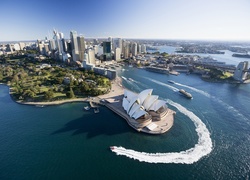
113, 101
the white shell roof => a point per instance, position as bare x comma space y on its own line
157, 105
125, 104
137, 105
131, 103
134, 108
139, 113
150, 101
129, 95
144, 94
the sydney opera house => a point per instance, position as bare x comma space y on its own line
146, 112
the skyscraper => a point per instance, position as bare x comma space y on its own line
52, 45
134, 49
73, 38
139, 49
74, 45
81, 47
107, 50
143, 48
91, 56
125, 49
117, 54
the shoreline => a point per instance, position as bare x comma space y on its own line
116, 89
113, 101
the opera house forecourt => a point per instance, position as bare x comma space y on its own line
146, 112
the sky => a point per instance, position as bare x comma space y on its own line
142, 19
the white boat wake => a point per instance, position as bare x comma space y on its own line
230, 108
194, 89
201, 149
163, 84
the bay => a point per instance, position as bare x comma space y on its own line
66, 142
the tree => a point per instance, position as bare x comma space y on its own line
1, 76
49, 95
15, 78
28, 94
70, 93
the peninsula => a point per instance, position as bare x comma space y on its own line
143, 111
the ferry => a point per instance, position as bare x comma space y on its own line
186, 94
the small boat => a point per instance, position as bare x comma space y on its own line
185, 93
112, 148
96, 110
170, 81
39, 105
131, 79
124, 78
86, 108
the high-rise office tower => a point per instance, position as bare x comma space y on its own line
143, 48
125, 49
91, 56
81, 47
58, 43
52, 45
68, 47
73, 38
134, 49
117, 53
46, 48
138, 48
112, 45
74, 45
107, 50
120, 43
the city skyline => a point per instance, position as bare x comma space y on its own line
142, 19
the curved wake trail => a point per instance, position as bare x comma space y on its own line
201, 149
163, 84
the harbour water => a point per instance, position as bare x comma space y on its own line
67, 142
227, 57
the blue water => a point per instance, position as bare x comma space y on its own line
227, 57
65, 142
